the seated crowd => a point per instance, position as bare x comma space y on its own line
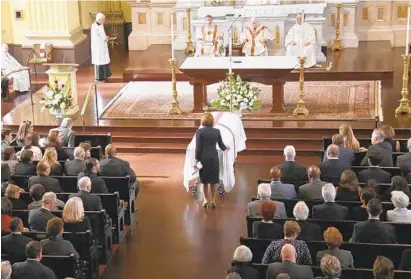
42, 187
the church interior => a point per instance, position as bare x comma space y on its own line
344, 64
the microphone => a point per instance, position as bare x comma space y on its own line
231, 26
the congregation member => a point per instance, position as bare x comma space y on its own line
77, 165
405, 169
90, 202
9, 157
291, 232
209, 39
350, 141
68, 136
255, 38
267, 228
54, 139
290, 169
330, 210
264, 195
6, 211
333, 238
348, 187
13, 193
39, 217
10, 67
383, 268
91, 170
50, 184
406, 158
373, 230
405, 263
74, 218
301, 40
389, 137
5, 177
332, 169
99, 49
280, 190
114, 166
312, 190
55, 245
289, 265
310, 231
32, 268
14, 244
6, 138
30, 144
374, 171
399, 183
26, 128
36, 193
25, 166
400, 213
379, 146
50, 157
346, 155
5, 270
330, 267
359, 213
242, 263
87, 149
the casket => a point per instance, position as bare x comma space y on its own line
233, 135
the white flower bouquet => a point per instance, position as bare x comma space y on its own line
239, 92
57, 98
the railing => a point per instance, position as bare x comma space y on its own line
85, 105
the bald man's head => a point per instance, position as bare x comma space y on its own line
333, 151
288, 253
275, 173
313, 172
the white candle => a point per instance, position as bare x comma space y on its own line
172, 33
302, 33
407, 34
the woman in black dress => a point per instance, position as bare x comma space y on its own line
207, 138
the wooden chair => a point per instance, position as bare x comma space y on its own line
36, 56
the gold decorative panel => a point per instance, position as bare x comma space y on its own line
159, 19
332, 20
141, 18
380, 13
402, 11
364, 13
185, 23
345, 20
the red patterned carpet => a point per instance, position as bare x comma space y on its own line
325, 100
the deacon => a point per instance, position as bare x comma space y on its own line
209, 39
255, 39
21, 79
99, 49
301, 41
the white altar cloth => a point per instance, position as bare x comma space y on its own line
233, 135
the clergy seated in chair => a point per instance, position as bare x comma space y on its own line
209, 39
39, 55
13, 70
255, 38
301, 40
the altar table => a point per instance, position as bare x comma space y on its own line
269, 70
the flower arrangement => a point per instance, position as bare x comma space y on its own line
216, 2
244, 96
57, 98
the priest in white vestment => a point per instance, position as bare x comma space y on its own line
255, 38
99, 49
21, 79
209, 39
301, 41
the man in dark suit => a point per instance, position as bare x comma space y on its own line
289, 265
329, 210
406, 158
14, 244
74, 167
373, 230
379, 146
280, 190
90, 202
98, 185
312, 190
50, 184
25, 167
32, 268
346, 155
290, 170
332, 169
39, 217
113, 166
374, 171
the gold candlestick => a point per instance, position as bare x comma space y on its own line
189, 50
175, 108
404, 107
301, 109
337, 42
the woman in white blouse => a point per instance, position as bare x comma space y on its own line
400, 213
32, 143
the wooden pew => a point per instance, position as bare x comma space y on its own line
366, 143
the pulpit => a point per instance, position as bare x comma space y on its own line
65, 74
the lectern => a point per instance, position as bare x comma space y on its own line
65, 74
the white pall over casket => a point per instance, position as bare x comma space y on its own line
232, 132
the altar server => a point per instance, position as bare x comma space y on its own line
301, 41
209, 39
255, 39
99, 49
21, 79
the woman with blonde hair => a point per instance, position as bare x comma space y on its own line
50, 156
350, 141
73, 216
389, 137
25, 130
55, 140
